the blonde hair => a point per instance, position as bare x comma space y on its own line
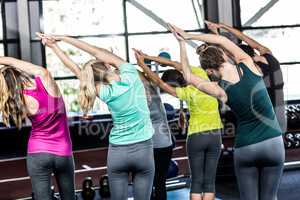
12, 102
92, 71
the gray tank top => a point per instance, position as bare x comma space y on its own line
162, 134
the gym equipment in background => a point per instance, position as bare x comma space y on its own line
88, 192
104, 191
173, 169
292, 140
170, 111
293, 116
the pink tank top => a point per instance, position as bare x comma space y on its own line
50, 131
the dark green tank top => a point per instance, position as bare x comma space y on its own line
249, 100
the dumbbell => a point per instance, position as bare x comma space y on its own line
88, 192
296, 110
104, 191
289, 138
297, 139
291, 115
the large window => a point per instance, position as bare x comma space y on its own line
99, 23
1, 33
276, 25
270, 12
102, 23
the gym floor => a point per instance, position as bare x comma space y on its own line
228, 190
92, 163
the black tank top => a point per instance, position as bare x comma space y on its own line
249, 100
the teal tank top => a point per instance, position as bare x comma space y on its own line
249, 100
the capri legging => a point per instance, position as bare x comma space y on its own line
258, 168
136, 159
204, 151
40, 167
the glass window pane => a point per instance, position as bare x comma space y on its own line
291, 81
57, 69
282, 42
166, 98
154, 44
70, 91
79, 17
1, 49
179, 12
1, 25
281, 13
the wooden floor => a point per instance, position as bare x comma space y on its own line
15, 183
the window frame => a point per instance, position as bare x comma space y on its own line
126, 34
271, 27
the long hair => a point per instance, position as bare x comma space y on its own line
12, 102
92, 71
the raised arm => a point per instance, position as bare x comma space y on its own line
99, 53
164, 61
28, 67
33, 70
66, 60
211, 88
153, 76
237, 53
250, 41
213, 27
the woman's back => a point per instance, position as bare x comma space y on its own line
127, 103
251, 103
204, 112
50, 132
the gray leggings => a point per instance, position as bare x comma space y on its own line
40, 166
258, 168
204, 151
136, 159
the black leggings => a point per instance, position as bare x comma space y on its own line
40, 166
162, 158
204, 151
258, 168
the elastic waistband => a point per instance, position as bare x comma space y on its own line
209, 132
50, 154
262, 143
146, 142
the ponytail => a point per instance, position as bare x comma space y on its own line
87, 94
